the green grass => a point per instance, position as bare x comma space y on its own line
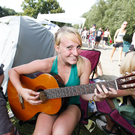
27, 129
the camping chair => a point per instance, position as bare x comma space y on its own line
107, 107
93, 56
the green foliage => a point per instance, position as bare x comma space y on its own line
33, 7
6, 12
112, 13
76, 26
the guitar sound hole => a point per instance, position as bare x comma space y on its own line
39, 90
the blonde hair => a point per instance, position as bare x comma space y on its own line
67, 32
128, 63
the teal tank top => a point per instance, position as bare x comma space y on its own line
72, 81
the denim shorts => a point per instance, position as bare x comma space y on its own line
118, 44
5, 123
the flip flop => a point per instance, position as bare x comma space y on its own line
90, 126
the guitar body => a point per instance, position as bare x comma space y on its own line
49, 106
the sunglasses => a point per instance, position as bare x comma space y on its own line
125, 24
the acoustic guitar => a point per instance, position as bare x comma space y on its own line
52, 95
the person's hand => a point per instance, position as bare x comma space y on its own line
30, 96
132, 93
102, 93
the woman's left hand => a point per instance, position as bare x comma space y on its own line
102, 93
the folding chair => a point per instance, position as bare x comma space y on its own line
93, 56
107, 107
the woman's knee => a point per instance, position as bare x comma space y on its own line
61, 131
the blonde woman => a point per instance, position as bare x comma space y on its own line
73, 69
127, 108
118, 40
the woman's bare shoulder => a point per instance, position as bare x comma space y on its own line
47, 63
87, 63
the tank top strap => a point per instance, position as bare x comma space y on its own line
54, 68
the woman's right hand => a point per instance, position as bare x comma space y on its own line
30, 96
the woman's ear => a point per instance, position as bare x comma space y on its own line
57, 48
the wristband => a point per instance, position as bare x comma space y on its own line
93, 97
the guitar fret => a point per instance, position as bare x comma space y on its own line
65, 95
66, 91
78, 91
85, 89
62, 92
91, 88
72, 92
88, 88
51, 93
74, 89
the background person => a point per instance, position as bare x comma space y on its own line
91, 40
98, 72
6, 126
118, 40
98, 37
84, 34
105, 37
73, 69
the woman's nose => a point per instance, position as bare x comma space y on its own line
75, 52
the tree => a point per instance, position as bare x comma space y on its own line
112, 13
34, 7
6, 11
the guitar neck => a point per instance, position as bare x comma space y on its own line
76, 90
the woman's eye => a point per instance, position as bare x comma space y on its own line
79, 47
69, 47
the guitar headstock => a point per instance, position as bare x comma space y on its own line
126, 82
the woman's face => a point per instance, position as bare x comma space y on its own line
124, 25
69, 50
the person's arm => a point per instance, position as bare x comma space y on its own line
32, 67
110, 36
121, 93
99, 94
100, 71
116, 33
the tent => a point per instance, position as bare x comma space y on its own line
23, 40
62, 17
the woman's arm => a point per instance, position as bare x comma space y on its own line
99, 94
122, 93
32, 67
100, 70
116, 33
109, 35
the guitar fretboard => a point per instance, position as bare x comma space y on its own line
76, 90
